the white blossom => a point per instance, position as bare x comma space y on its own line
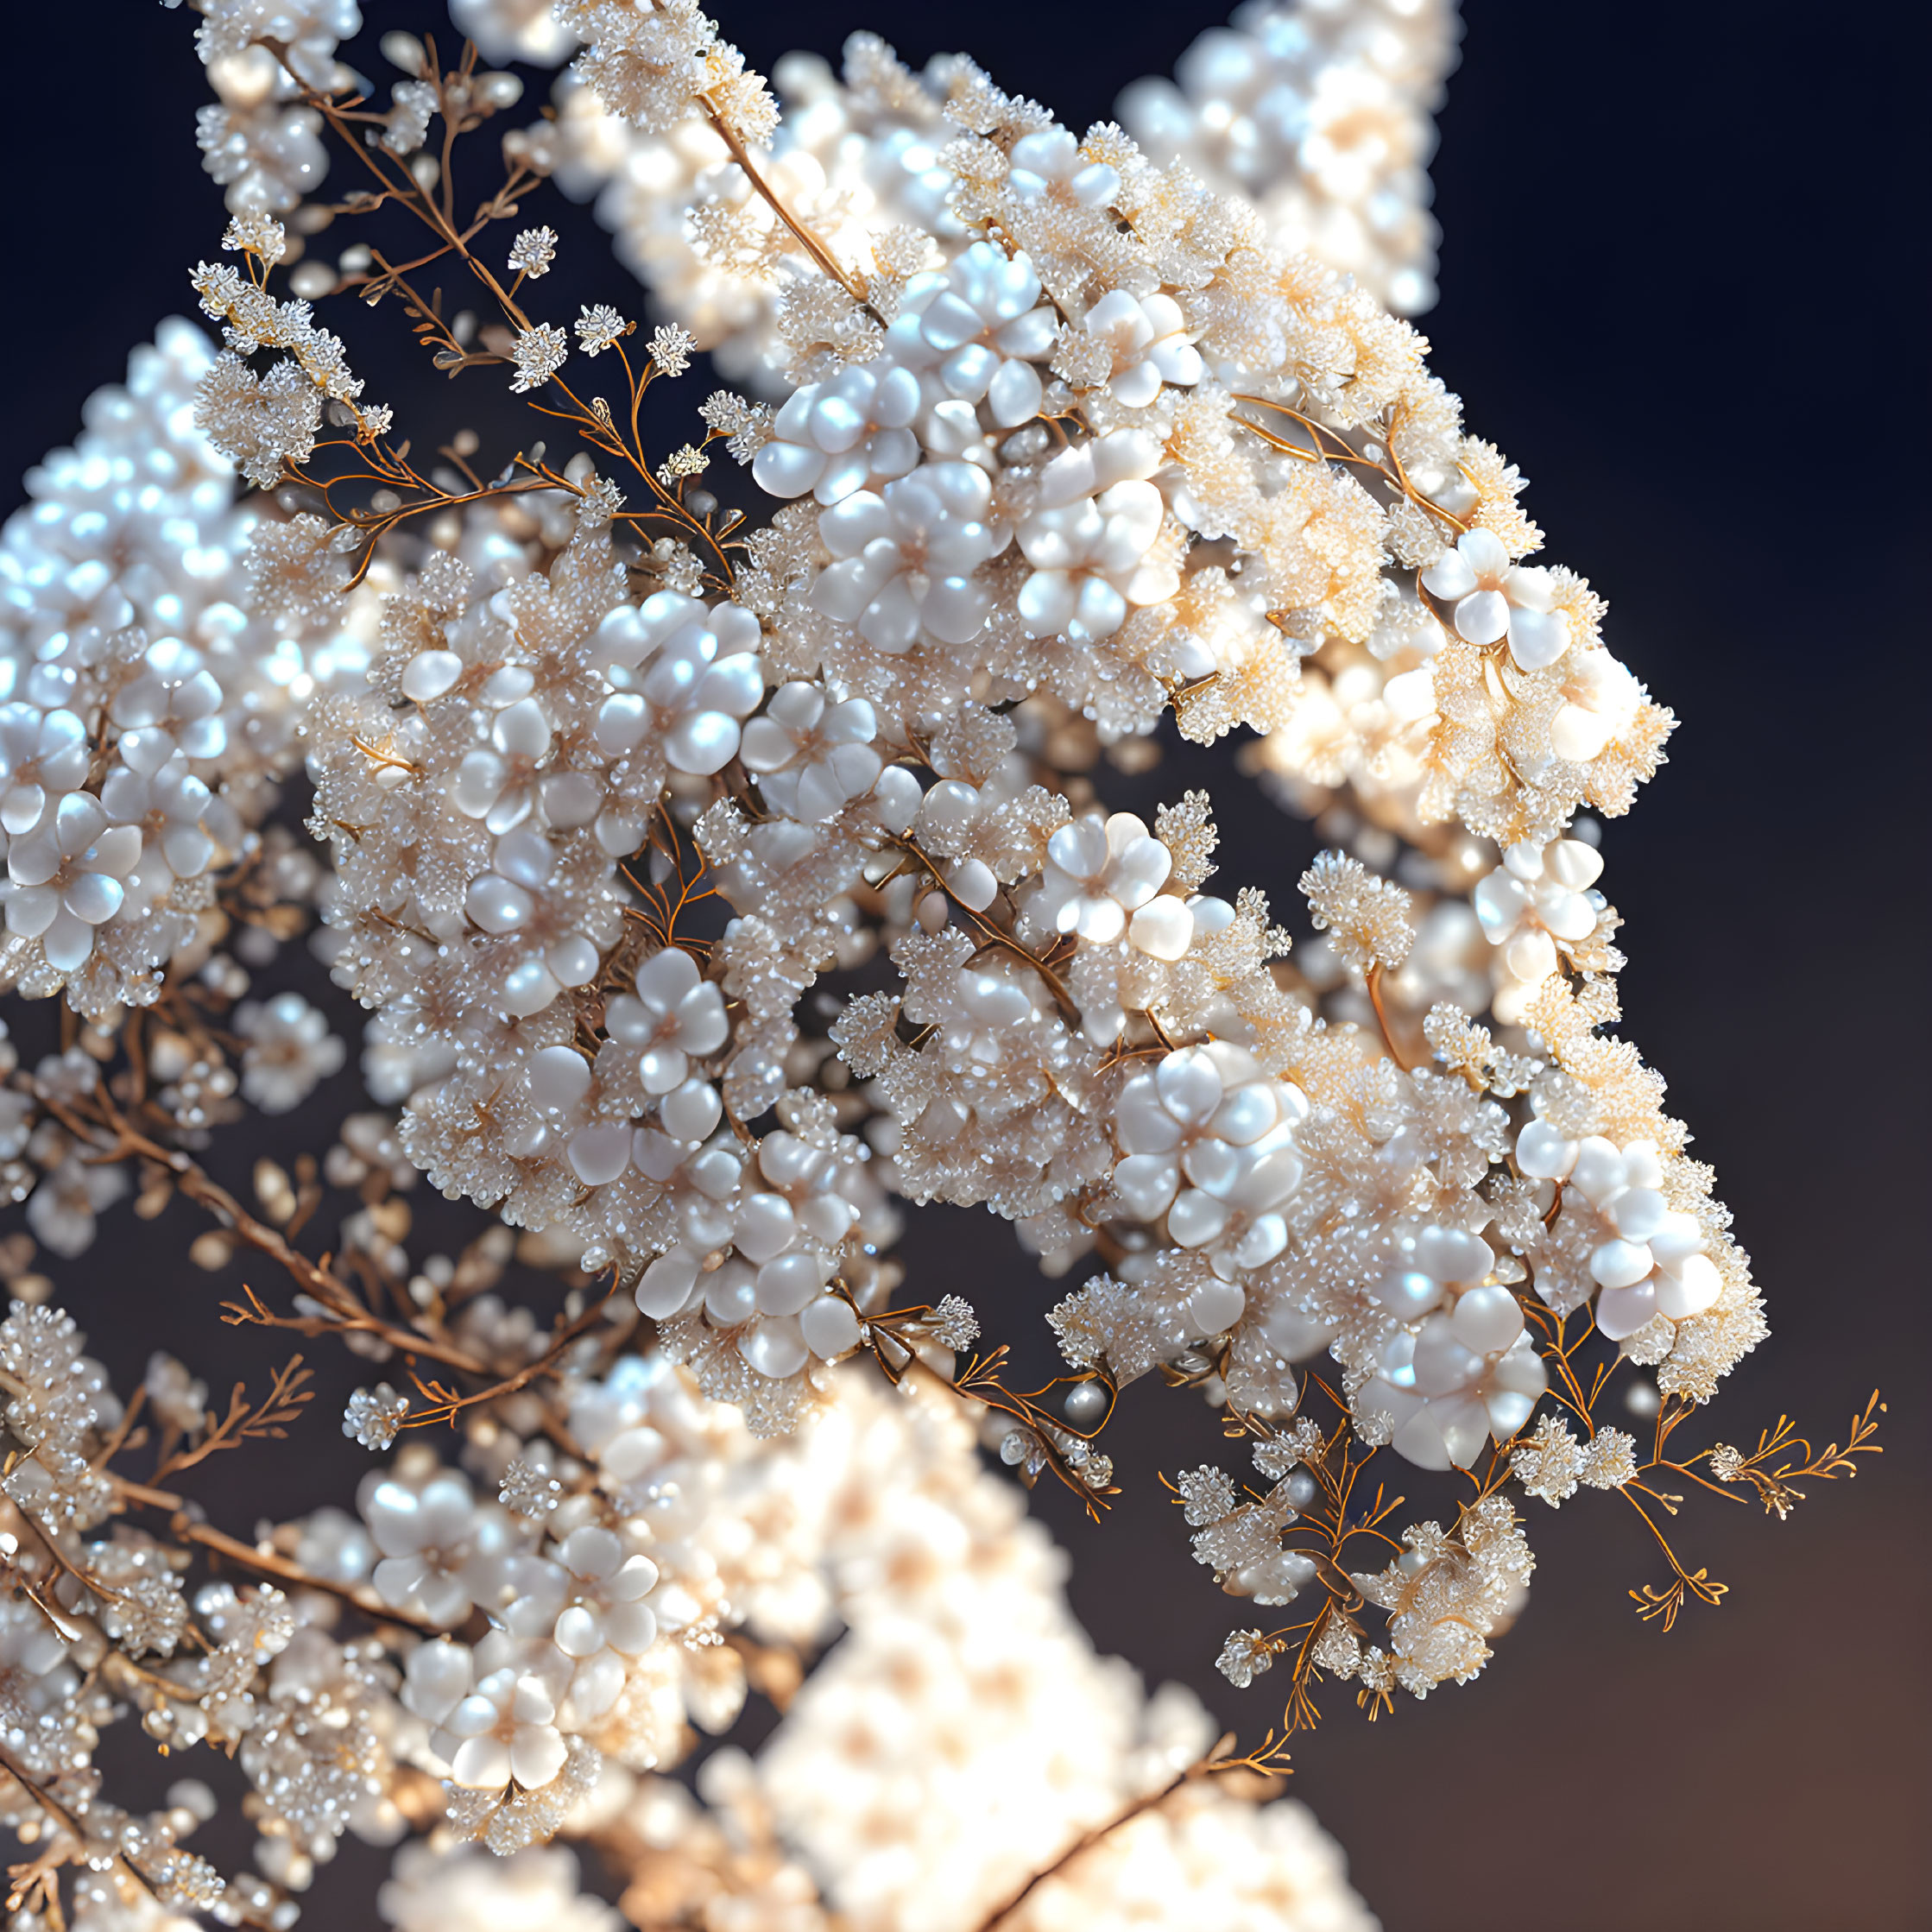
1147, 338
851, 433
533, 252
908, 558
1495, 599
979, 327
539, 353
290, 1049
1089, 541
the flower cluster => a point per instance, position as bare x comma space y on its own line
1322, 115
671, 1527
1316, 117
1101, 448
155, 651
719, 883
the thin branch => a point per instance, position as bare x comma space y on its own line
806, 240
1217, 1760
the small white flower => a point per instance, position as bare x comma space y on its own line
671, 348
1097, 873
1147, 336
1430, 1261
68, 877
290, 1050
674, 1016
519, 896
1465, 1377
494, 1710
168, 807
43, 756
173, 705
906, 558
1051, 164
539, 353
1600, 698
1538, 898
978, 328
600, 328
852, 433
1651, 1261
1087, 541
1208, 1140
693, 674
813, 758
1495, 599
441, 1549
533, 251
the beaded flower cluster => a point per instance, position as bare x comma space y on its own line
722, 881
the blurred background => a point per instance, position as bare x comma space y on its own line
1675, 280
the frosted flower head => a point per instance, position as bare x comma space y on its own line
906, 558
1244, 1656
1495, 599
1368, 918
374, 1417
259, 422
648, 65
671, 348
599, 328
533, 252
256, 234
539, 353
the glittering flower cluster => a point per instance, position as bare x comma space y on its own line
608, 1578
157, 642
726, 862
